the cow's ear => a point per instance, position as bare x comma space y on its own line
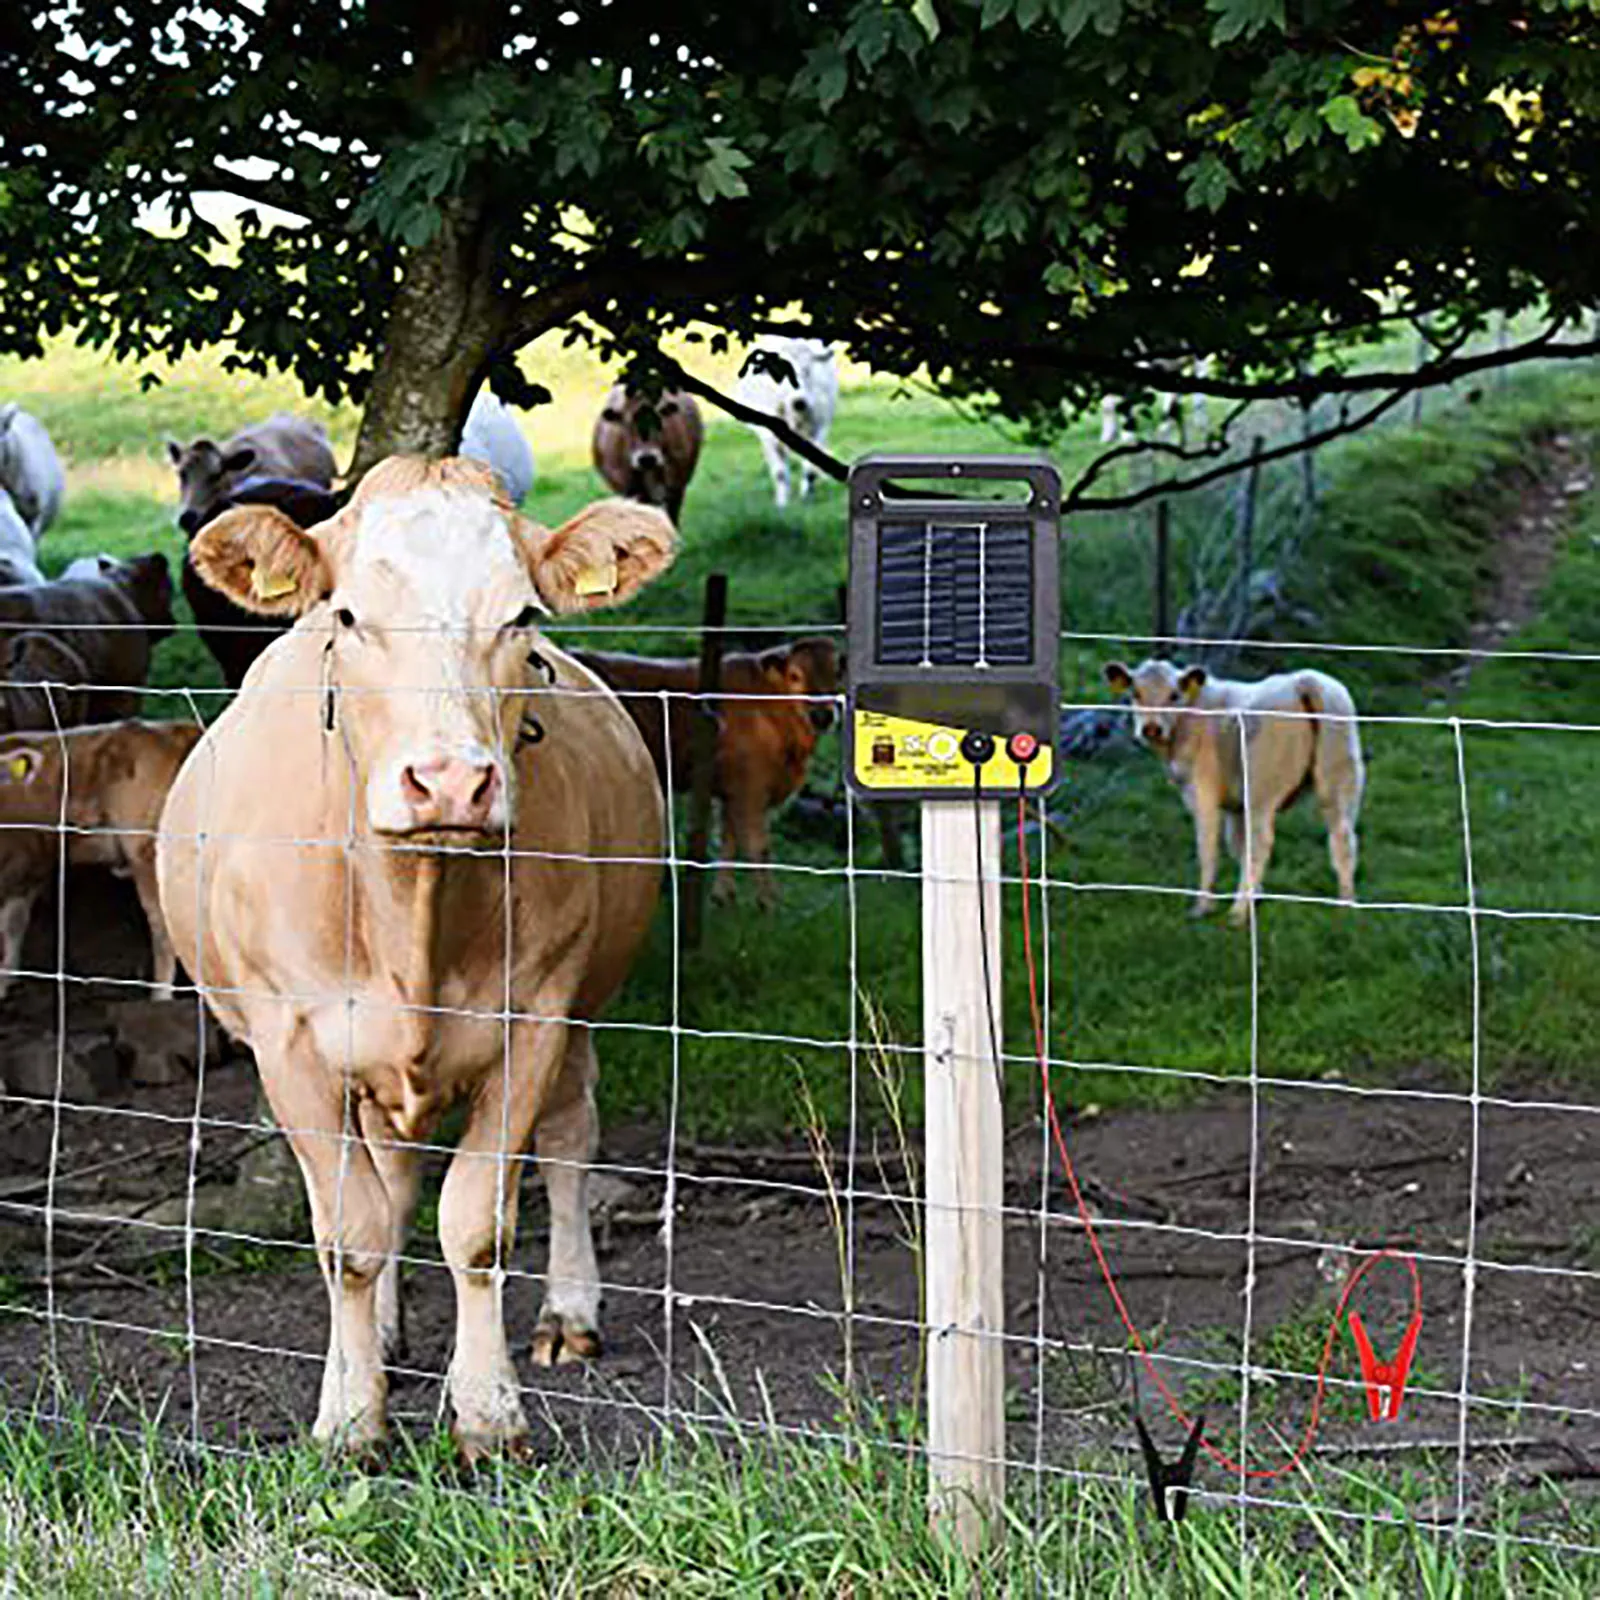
20, 764
1190, 682
603, 556
263, 561
1118, 676
174, 451
238, 460
8, 414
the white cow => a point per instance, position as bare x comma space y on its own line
30, 469
18, 561
1169, 410
492, 436
807, 404
1299, 732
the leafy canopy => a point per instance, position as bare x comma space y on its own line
1030, 197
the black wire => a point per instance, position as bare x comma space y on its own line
983, 933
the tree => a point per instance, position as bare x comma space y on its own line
1037, 200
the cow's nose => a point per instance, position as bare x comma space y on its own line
451, 793
189, 521
1152, 731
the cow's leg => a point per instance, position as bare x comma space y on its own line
808, 473
1207, 823
1262, 827
400, 1167
1232, 835
745, 815
1342, 846
15, 914
566, 1139
350, 1222
477, 1225
163, 961
777, 460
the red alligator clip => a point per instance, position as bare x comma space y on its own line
1385, 1380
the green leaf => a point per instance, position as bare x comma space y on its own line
1244, 19
1208, 182
926, 16
1344, 115
1134, 144
717, 177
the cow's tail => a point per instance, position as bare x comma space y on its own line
1335, 766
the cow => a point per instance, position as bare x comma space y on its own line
491, 833
797, 381
1299, 731
97, 794
492, 435
78, 649
283, 446
1170, 422
234, 636
647, 449
770, 710
18, 564
30, 469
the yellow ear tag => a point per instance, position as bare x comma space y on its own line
18, 767
596, 580
271, 585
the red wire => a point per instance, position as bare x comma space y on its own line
1220, 1457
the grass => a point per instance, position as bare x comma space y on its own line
1406, 519
87, 1513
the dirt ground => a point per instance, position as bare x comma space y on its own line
753, 1326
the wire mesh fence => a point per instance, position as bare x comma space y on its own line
159, 1263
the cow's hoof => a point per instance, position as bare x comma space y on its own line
557, 1342
723, 893
478, 1448
1239, 918
1201, 908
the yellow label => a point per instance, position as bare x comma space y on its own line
19, 767
597, 580
271, 585
898, 753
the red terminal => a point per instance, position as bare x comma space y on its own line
1022, 748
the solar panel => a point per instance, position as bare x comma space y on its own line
954, 603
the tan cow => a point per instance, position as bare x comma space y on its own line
415, 721
98, 793
1299, 732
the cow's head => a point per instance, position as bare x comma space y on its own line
644, 422
806, 667
204, 473
430, 588
1157, 692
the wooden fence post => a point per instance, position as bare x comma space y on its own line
1416, 394
965, 1163
1247, 537
703, 756
1163, 617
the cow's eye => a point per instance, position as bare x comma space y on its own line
526, 617
345, 617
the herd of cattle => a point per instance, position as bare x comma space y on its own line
399, 701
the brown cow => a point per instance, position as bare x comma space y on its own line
283, 446
770, 711
647, 449
97, 793
409, 721
88, 638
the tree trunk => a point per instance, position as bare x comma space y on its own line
448, 321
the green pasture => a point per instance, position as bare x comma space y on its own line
1395, 558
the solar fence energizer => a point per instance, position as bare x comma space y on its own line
953, 627
953, 638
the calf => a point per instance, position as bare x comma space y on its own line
17, 563
97, 793
30, 469
1247, 750
234, 636
797, 381
78, 650
770, 710
283, 446
647, 449
492, 436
